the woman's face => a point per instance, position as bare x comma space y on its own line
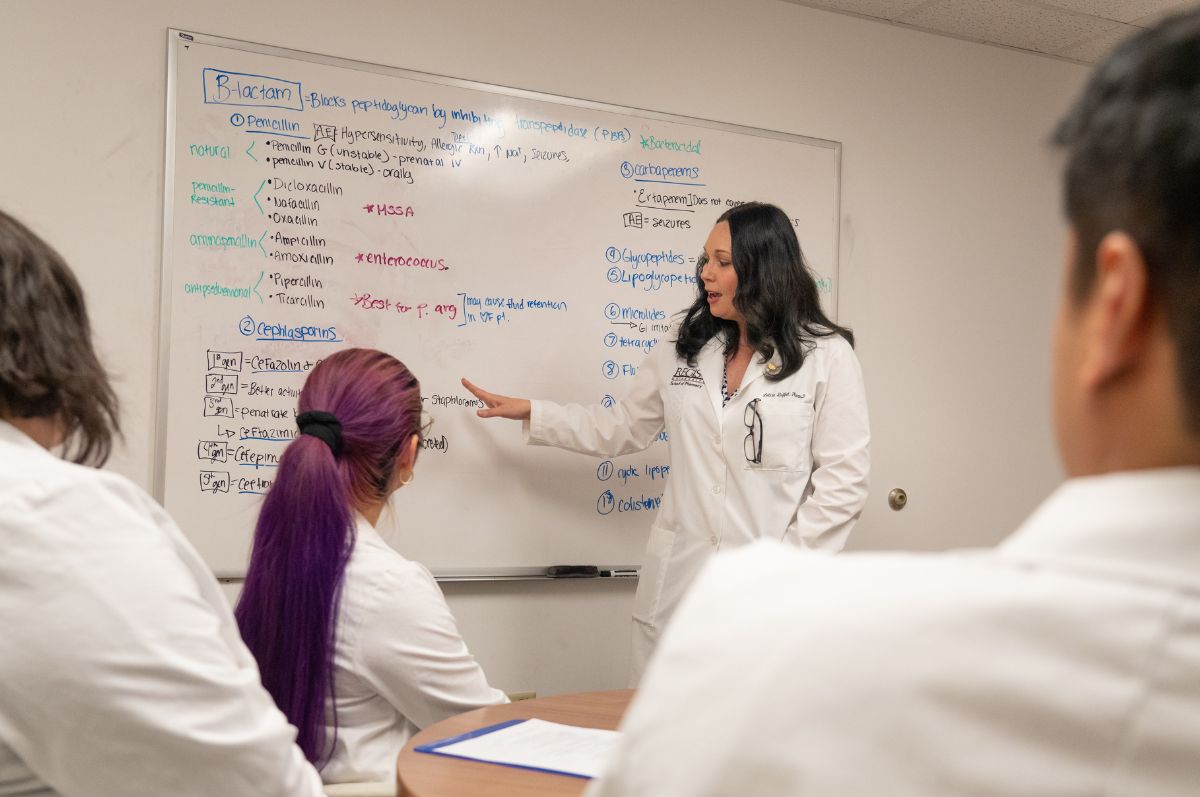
718, 276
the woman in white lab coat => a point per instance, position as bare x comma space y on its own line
763, 402
121, 668
355, 642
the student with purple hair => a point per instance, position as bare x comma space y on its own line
355, 642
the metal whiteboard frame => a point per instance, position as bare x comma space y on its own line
628, 573
177, 38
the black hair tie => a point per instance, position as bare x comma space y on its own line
324, 426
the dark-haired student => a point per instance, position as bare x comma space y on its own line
1066, 661
121, 668
763, 401
355, 642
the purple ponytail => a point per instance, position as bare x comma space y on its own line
305, 532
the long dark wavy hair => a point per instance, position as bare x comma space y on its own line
776, 294
48, 365
288, 609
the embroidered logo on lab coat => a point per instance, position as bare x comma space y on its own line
687, 376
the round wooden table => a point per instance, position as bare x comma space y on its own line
425, 775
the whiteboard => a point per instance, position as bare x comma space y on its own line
538, 245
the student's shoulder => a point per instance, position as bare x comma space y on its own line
51, 486
380, 576
389, 602
83, 532
824, 570
776, 614
865, 590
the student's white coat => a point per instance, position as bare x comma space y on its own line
121, 667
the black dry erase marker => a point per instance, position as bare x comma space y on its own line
572, 571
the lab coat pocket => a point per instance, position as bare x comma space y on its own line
787, 428
654, 570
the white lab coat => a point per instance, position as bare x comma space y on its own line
808, 490
1064, 662
399, 661
121, 668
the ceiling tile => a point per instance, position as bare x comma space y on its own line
1151, 19
881, 9
1093, 50
1015, 24
1119, 10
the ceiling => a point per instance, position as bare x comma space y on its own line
1082, 31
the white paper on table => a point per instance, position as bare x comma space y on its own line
534, 744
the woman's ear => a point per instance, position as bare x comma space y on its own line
406, 461
414, 445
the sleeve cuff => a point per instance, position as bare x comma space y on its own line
533, 428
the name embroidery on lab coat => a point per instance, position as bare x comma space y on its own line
687, 376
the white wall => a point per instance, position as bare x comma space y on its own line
950, 240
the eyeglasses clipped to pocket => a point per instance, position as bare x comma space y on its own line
754, 438
778, 435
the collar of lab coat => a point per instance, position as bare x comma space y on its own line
367, 535
1141, 523
711, 364
758, 367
